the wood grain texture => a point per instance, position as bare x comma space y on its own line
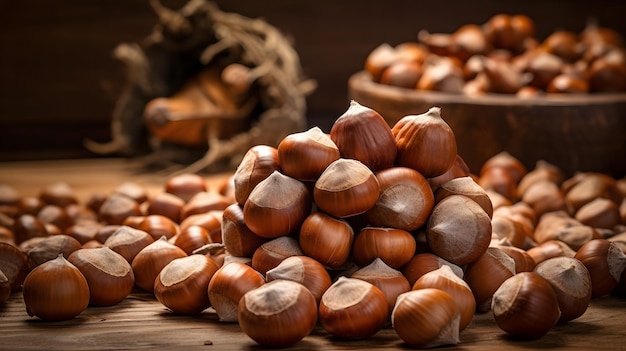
140, 322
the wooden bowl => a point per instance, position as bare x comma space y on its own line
574, 132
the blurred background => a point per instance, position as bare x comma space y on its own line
59, 81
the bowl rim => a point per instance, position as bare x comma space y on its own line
362, 81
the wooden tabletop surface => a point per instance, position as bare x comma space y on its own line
141, 322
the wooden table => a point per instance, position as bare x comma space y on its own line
141, 322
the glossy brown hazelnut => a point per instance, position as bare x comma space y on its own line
346, 188
362, 134
203, 202
128, 241
229, 283
353, 308
523, 261
558, 225
109, 276
426, 318
403, 74
237, 237
459, 169
405, 199
50, 247
543, 170
183, 283
116, 208
544, 196
211, 221
305, 155
272, 253
441, 74
257, 164
500, 180
186, 185
485, 275
326, 239
192, 238
14, 265
277, 206
458, 230
513, 166
414, 133
468, 187
167, 205
150, 261
549, 249
394, 246
379, 59
605, 262
599, 213
267, 313
564, 44
525, 306
445, 279
571, 282
390, 281
423, 263
303, 270
467, 41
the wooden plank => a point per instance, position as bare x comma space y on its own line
141, 322
87, 176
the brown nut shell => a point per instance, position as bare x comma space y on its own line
456, 224
183, 283
426, 318
277, 314
55, 290
445, 279
346, 188
108, 274
306, 155
363, 134
229, 283
425, 143
571, 282
394, 246
352, 309
277, 206
525, 306
605, 262
405, 200
326, 239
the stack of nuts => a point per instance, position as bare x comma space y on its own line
353, 231
58, 250
504, 56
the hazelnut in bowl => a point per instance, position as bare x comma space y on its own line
561, 99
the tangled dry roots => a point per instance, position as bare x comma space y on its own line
181, 44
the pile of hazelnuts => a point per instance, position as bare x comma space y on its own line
503, 56
367, 227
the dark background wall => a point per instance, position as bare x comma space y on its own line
59, 81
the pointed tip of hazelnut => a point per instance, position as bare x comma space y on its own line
356, 106
434, 111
